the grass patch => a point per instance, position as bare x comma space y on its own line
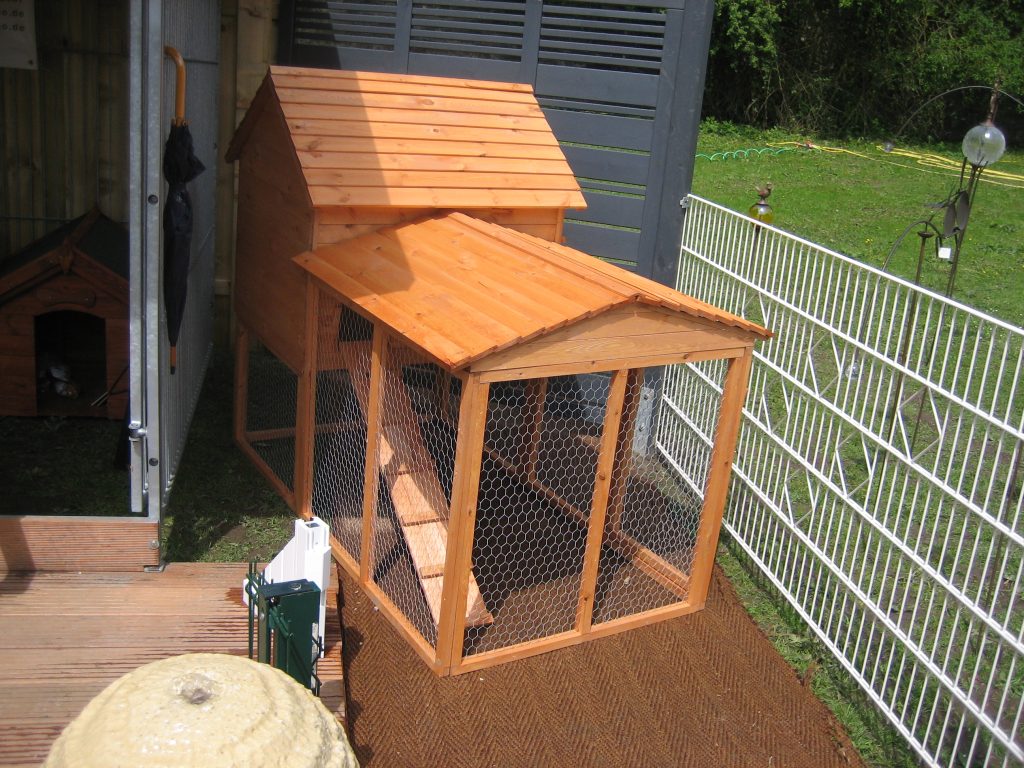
221, 509
857, 201
61, 466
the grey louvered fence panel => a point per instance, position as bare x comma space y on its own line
620, 84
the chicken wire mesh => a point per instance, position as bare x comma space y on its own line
535, 494
415, 462
344, 341
271, 391
653, 511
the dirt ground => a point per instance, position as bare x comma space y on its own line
706, 689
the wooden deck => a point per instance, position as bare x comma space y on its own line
65, 636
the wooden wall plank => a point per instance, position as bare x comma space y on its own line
274, 223
76, 544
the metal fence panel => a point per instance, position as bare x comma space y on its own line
877, 480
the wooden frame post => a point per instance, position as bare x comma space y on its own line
599, 504
371, 474
536, 394
624, 447
305, 409
241, 383
730, 413
461, 522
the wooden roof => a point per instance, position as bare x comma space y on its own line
374, 139
92, 246
461, 288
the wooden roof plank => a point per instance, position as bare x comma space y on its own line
382, 265
542, 298
430, 197
401, 179
519, 266
309, 126
435, 263
431, 162
442, 139
414, 100
387, 311
313, 146
443, 88
644, 289
415, 116
385, 77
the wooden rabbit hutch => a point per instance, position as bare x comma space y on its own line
64, 301
462, 398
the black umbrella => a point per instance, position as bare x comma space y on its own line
180, 167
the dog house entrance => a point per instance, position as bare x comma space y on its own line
71, 364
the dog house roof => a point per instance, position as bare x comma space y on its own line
461, 288
92, 236
374, 139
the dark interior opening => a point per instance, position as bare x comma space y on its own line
71, 363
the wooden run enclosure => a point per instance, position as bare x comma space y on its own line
468, 403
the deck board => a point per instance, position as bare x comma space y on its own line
65, 636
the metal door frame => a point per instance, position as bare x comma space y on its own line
145, 61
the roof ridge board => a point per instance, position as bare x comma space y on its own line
352, 74
487, 233
434, 256
387, 312
448, 308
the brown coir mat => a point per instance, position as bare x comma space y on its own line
706, 689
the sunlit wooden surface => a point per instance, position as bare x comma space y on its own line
65, 636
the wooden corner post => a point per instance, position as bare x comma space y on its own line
371, 476
730, 413
599, 505
241, 383
305, 410
461, 522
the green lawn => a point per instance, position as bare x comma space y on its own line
221, 508
857, 201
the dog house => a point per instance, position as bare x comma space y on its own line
64, 304
467, 403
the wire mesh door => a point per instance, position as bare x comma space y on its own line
653, 514
536, 489
581, 527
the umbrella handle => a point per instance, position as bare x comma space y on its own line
179, 84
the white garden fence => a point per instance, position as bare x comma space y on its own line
878, 477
